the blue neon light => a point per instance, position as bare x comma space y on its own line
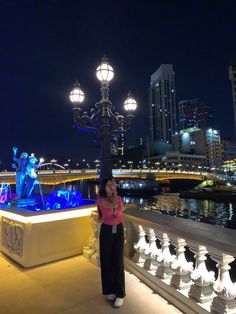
62, 199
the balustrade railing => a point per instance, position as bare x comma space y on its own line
156, 252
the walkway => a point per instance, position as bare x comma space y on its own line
69, 286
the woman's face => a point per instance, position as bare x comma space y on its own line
110, 187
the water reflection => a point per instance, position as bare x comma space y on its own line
218, 213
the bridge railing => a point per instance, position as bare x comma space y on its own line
115, 171
158, 251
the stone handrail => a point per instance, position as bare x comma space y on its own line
155, 251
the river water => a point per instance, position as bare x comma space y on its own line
221, 214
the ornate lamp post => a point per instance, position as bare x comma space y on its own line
103, 119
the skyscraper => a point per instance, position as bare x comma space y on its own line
195, 113
232, 77
162, 105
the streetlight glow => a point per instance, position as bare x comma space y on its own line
104, 71
77, 95
130, 103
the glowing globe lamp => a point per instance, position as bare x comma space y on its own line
130, 103
76, 95
104, 71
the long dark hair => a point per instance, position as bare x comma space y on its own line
102, 192
102, 187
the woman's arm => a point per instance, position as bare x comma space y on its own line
99, 211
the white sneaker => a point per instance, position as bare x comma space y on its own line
119, 302
111, 297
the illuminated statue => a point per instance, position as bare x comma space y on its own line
32, 169
21, 164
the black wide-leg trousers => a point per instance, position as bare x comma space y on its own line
112, 260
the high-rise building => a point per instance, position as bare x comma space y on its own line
162, 105
197, 141
232, 77
229, 149
195, 113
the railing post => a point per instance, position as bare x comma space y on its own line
224, 288
181, 277
139, 256
203, 279
152, 251
165, 259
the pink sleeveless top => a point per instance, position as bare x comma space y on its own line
108, 212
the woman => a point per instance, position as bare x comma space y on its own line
111, 242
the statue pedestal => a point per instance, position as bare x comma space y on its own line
32, 238
23, 202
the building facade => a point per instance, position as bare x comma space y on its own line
232, 77
179, 161
229, 149
162, 104
204, 142
195, 113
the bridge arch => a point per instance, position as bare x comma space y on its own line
53, 166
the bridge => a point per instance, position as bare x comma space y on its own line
54, 177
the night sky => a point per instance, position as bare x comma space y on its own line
47, 45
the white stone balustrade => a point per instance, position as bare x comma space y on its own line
152, 251
203, 279
165, 258
140, 247
224, 288
182, 269
191, 289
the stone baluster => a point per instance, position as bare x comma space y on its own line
91, 250
165, 258
152, 252
202, 289
139, 256
225, 289
182, 269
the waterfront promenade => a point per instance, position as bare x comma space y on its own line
70, 286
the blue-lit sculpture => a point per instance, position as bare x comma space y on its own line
26, 182
31, 181
5, 193
62, 199
20, 166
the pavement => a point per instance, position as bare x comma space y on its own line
70, 286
